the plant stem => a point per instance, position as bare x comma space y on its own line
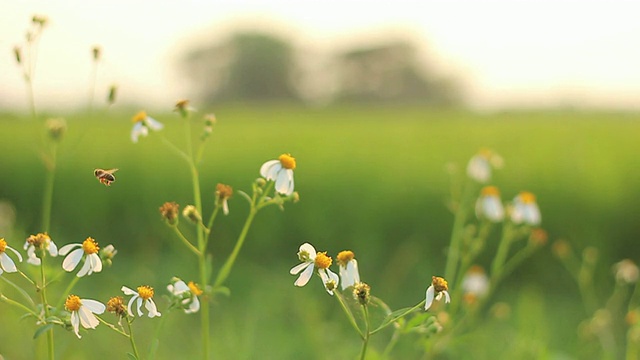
47, 197
367, 333
67, 291
17, 304
185, 241
45, 306
503, 249
226, 268
350, 317
459, 221
133, 342
389, 322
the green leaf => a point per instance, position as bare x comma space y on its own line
392, 317
42, 330
131, 356
221, 290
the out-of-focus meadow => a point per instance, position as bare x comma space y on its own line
372, 179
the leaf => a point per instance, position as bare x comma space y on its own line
393, 317
221, 290
131, 356
42, 330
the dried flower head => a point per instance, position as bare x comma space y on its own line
169, 212
223, 193
362, 293
56, 128
190, 212
116, 306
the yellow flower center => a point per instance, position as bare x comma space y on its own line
3, 245
73, 303
145, 292
195, 289
344, 257
140, 116
287, 161
527, 197
490, 191
322, 260
90, 246
439, 284
485, 153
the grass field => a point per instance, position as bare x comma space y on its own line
373, 180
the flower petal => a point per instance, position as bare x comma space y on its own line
7, 264
429, 298
87, 319
151, 307
296, 269
94, 306
269, 169
53, 249
153, 124
71, 261
303, 279
284, 182
75, 323
65, 249
86, 268
139, 305
128, 291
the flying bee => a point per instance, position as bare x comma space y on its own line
105, 176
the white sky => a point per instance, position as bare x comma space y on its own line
518, 52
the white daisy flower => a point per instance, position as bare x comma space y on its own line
141, 125
438, 287
187, 295
480, 166
82, 311
281, 172
39, 241
348, 268
6, 263
92, 261
143, 295
313, 260
525, 209
489, 205
475, 284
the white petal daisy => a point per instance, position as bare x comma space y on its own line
489, 205
92, 261
82, 311
6, 263
525, 209
141, 125
39, 241
312, 260
438, 288
144, 295
281, 172
187, 295
348, 268
480, 165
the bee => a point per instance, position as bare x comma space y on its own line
105, 176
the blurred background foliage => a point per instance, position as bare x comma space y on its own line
371, 179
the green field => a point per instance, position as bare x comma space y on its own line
373, 180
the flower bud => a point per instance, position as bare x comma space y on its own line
362, 293
97, 52
169, 212
190, 212
56, 128
111, 98
18, 54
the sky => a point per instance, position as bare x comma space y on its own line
509, 53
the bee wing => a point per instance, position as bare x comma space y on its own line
111, 171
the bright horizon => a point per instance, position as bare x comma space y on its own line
508, 53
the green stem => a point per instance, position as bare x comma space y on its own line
67, 291
18, 304
112, 327
346, 310
48, 189
133, 342
45, 306
185, 241
156, 339
503, 250
19, 289
210, 223
226, 268
367, 334
397, 317
457, 232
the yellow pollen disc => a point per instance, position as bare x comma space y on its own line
195, 289
287, 161
322, 260
440, 284
485, 153
490, 191
139, 116
90, 246
344, 257
527, 197
145, 292
73, 303
3, 245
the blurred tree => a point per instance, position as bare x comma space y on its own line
247, 66
391, 72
